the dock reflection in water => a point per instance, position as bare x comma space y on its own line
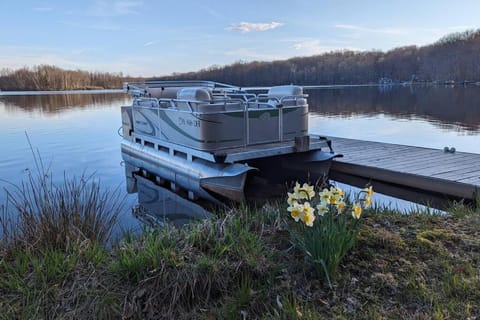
159, 206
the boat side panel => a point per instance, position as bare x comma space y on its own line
209, 131
145, 121
263, 125
213, 131
295, 122
127, 123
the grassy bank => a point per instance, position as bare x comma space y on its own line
242, 266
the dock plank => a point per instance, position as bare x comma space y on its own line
430, 163
439, 168
425, 169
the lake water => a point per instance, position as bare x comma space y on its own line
77, 133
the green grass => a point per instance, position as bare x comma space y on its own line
243, 265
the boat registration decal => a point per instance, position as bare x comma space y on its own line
188, 122
169, 121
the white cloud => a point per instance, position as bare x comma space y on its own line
20, 61
315, 46
102, 25
392, 31
391, 37
214, 13
43, 9
251, 54
127, 7
244, 27
408, 31
104, 8
149, 43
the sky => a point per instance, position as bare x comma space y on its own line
155, 38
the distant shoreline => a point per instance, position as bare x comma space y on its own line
306, 87
47, 92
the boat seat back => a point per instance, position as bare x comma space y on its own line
163, 93
228, 103
289, 95
194, 94
192, 98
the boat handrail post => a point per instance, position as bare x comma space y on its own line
247, 125
280, 122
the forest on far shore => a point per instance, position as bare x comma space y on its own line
47, 77
454, 58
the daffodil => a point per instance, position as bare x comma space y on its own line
336, 190
367, 202
308, 209
334, 199
340, 192
322, 208
308, 219
292, 198
296, 211
369, 191
341, 206
308, 189
297, 188
356, 211
324, 195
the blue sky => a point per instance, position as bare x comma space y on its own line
141, 37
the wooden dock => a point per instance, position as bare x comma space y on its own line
422, 175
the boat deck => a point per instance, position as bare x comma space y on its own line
411, 173
231, 155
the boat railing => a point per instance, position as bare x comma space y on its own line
213, 106
280, 101
228, 95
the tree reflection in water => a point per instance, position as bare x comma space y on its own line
443, 106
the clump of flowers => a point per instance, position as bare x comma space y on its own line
327, 223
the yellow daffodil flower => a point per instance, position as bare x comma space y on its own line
308, 219
340, 192
341, 206
334, 199
292, 198
308, 189
322, 208
336, 190
324, 195
296, 211
369, 191
356, 211
307, 209
297, 187
368, 202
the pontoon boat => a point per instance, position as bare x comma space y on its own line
213, 139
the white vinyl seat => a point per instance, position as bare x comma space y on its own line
288, 95
189, 99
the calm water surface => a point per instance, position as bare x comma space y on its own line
77, 133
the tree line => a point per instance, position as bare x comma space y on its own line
48, 77
452, 58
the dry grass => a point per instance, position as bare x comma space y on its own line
45, 215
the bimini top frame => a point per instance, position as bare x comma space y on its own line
139, 89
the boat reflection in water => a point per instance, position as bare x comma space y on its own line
158, 205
